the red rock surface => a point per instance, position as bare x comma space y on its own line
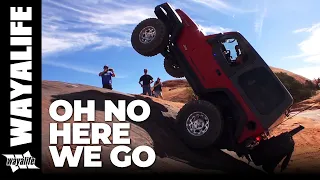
157, 132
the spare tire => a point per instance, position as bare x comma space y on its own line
172, 69
150, 37
199, 124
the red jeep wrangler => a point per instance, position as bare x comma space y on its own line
239, 97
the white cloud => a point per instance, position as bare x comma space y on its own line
310, 51
258, 25
310, 72
313, 59
107, 17
223, 7
66, 41
110, 41
73, 25
63, 41
50, 45
310, 46
309, 29
213, 29
75, 68
71, 67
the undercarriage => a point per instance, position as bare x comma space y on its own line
269, 152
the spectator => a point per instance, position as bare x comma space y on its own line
106, 76
146, 80
157, 88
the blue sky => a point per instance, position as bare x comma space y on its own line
80, 36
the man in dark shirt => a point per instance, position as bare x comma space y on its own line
106, 76
146, 80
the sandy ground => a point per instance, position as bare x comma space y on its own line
157, 132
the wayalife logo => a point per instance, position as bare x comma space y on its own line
20, 161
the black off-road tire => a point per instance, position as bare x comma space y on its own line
172, 69
157, 45
214, 130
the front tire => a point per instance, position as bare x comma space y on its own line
200, 124
150, 37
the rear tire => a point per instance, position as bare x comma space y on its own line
150, 37
172, 69
207, 124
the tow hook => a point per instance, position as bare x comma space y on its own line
270, 152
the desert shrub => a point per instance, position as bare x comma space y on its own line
299, 91
311, 85
317, 82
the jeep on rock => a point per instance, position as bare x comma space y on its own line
239, 97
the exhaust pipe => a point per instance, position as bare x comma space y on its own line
296, 130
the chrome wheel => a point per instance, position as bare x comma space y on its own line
147, 34
197, 123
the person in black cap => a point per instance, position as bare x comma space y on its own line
106, 76
146, 80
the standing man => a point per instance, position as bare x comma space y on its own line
146, 80
106, 76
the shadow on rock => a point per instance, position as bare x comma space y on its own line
160, 127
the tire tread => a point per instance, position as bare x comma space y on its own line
155, 47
